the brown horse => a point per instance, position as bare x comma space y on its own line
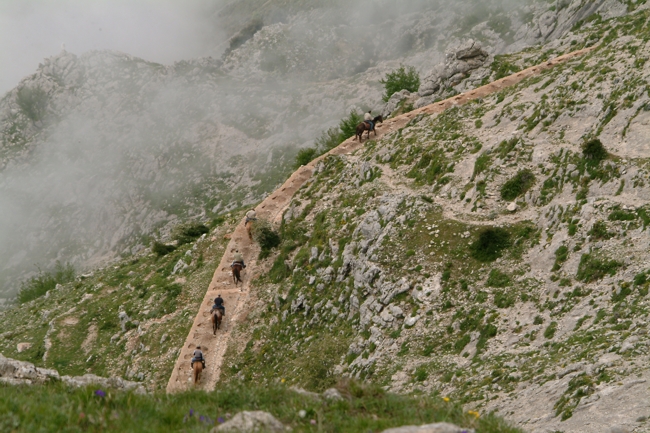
236, 273
363, 126
249, 229
217, 317
198, 368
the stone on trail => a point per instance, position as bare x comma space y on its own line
439, 427
254, 421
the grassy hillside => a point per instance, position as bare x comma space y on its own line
127, 319
57, 408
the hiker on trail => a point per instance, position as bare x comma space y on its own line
368, 119
250, 216
198, 356
238, 259
218, 305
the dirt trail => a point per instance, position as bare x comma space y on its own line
272, 208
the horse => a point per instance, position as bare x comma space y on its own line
363, 126
236, 273
198, 368
217, 317
249, 229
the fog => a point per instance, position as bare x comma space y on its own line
157, 30
128, 147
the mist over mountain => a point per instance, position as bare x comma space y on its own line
103, 151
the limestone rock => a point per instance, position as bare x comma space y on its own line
253, 421
21, 347
440, 427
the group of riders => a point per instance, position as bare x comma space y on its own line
238, 258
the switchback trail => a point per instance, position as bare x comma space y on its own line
272, 208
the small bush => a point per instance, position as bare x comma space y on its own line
266, 237
599, 231
161, 249
400, 79
504, 299
594, 151
490, 244
549, 332
38, 286
561, 255
33, 102
640, 279
621, 215
538, 320
592, 268
498, 279
187, 233
518, 185
305, 156
329, 139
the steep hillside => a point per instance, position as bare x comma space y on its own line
101, 152
495, 253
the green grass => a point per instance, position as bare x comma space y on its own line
38, 286
55, 407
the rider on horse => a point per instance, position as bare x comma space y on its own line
198, 356
250, 216
368, 119
218, 304
238, 259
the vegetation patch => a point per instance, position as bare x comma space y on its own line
518, 185
593, 268
403, 78
490, 244
38, 286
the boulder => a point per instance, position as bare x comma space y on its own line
253, 421
394, 101
439, 427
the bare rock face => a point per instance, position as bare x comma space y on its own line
439, 427
24, 373
15, 372
460, 61
254, 421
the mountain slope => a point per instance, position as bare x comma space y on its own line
103, 152
489, 253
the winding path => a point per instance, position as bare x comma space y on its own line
272, 208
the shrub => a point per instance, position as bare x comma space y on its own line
592, 268
329, 139
594, 151
266, 237
640, 279
400, 79
518, 185
504, 299
498, 279
187, 233
305, 156
490, 244
561, 254
38, 286
549, 332
33, 102
161, 249
599, 231
621, 215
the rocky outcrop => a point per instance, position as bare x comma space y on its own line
440, 427
460, 62
15, 372
248, 422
